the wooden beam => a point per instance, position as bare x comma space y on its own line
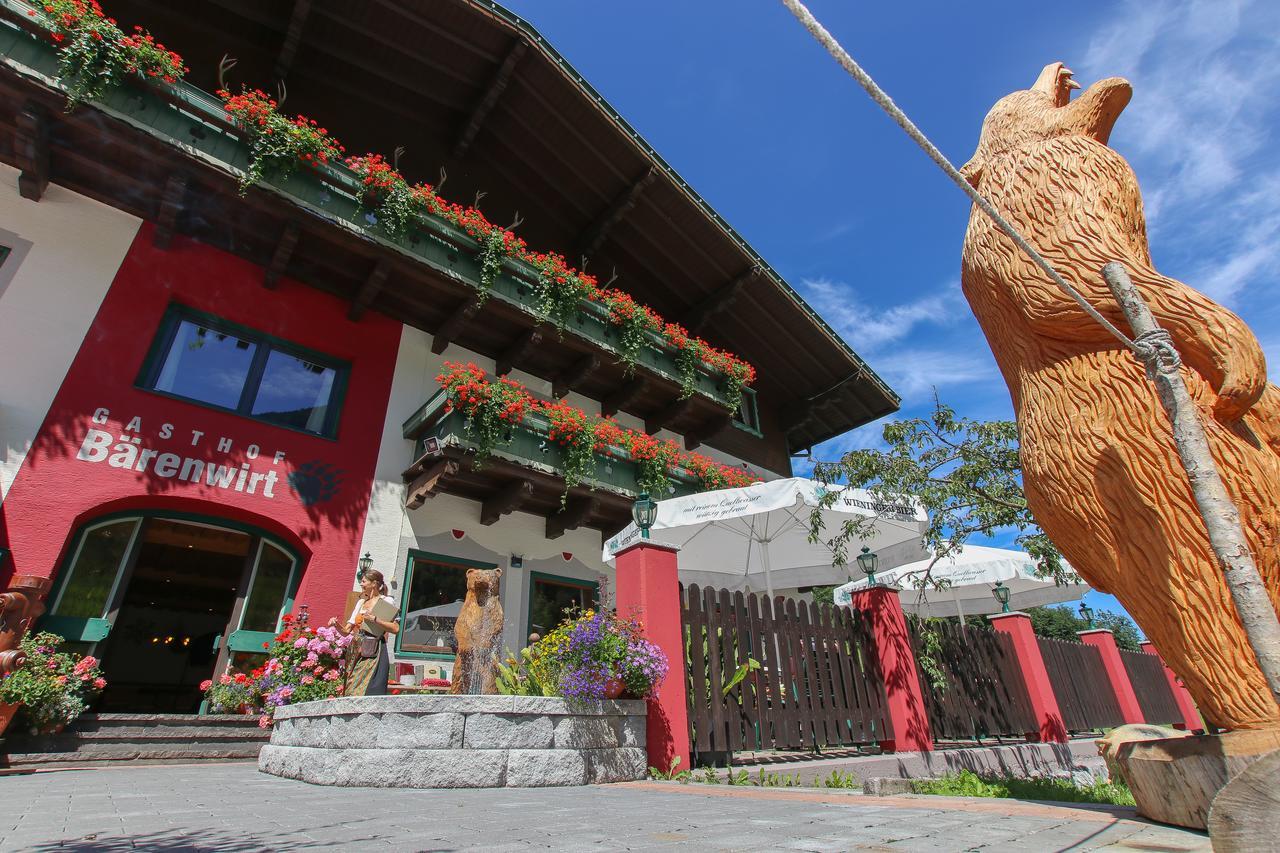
507, 499
484, 106
593, 235
31, 151
571, 517
424, 485
574, 374
172, 201
292, 38
369, 290
280, 258
672, 412
722, 299
623, 397
453, 326
515, 353
696, 436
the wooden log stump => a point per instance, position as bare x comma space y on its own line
1245, 815
1175, 781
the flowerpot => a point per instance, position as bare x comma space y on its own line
7, 710
613, 688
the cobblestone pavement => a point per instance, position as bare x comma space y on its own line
232, 807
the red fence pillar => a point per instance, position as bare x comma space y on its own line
1105, 642
1190, 714
648, 588
904, 703
1044, 702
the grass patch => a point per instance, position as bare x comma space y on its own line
969, 784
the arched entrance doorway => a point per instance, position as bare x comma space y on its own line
165, 600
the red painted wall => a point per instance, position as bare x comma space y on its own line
55, 491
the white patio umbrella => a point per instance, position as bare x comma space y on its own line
758, 536
972, 574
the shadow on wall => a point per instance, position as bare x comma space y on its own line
314, 489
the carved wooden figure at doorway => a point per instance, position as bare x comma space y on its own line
1100, 468
479, 634
20, 606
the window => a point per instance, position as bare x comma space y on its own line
551, 596
268, 589
95, 569
747, 417
435, 587
201, 358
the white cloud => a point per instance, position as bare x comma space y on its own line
916, 373
869, 329
1200, 134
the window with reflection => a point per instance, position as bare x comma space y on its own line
551, 600
208, 360
86, 591
267, 590
434, 592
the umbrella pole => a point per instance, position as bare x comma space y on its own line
959, 609
768, 578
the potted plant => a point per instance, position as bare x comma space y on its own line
51, 688
303, 663
596, 655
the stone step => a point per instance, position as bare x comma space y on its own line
136, 752
154, 733
97, 738
101, 721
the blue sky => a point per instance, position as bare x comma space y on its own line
740, 100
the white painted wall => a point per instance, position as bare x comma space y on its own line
66, 251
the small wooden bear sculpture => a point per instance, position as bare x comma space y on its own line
479, 634
1099, 465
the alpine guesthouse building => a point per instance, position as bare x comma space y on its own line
231, 368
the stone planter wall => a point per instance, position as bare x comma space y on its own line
457, 742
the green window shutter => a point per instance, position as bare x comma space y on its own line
75, 629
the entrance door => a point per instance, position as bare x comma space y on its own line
176, 604
166, 603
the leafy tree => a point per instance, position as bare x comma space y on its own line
965, 473
1062, 623
1122, 626
824, 595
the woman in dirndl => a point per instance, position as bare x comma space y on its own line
369, 667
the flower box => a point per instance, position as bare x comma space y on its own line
530, 446
195, 121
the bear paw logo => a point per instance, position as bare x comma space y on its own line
315, 482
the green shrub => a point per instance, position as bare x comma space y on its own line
969, 784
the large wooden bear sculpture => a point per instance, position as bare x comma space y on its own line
1099, 464
479, 634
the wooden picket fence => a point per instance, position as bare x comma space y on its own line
983, 694
1155, 697
1080, 684
818, 683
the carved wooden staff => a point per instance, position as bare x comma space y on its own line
1153, 346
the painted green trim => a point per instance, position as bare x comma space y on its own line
169, 515
265, 344
751, 404
75, 629
410, 564
249, 641
562, 580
